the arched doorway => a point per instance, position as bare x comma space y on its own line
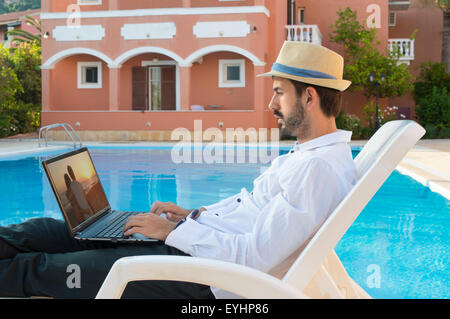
154, 76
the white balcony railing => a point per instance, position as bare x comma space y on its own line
305, 33
405, 46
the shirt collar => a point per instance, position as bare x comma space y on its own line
340, 136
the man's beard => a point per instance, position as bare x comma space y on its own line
295, 124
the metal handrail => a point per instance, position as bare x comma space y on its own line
47, 128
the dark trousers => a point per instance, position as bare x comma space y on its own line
40, 258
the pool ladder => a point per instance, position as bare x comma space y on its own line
67, 127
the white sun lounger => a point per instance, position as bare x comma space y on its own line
316, 271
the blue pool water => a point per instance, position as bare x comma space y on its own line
397, 248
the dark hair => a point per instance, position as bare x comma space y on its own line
330, 99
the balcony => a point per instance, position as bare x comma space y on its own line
399, 5
304, 33
405, 47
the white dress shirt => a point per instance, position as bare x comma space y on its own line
289, 201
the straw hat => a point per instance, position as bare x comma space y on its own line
310, 63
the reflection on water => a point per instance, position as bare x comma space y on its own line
151, 175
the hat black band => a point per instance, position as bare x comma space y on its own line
301, 72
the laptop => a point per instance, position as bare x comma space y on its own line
82, 199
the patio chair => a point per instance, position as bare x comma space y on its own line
316, 271
197, 108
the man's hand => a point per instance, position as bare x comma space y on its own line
173, 212
150, 225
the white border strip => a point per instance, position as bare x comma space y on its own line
32, 150
157, 12
434, 187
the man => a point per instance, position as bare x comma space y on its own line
263, 229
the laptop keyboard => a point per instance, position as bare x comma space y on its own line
115, 227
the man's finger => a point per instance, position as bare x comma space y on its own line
156, 205
169, 207
132, 230
134, 221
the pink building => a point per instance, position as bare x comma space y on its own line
138, 69
15, 20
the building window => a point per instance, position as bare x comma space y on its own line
301, 15
231, 73
89, 2
392, 19
89, 75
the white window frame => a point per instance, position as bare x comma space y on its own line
394, 14
299, 15
80, 67
89, 2
222, 73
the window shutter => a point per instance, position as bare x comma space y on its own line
168, 88
140, 88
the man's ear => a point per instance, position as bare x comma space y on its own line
311, 97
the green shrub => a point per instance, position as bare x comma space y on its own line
5, 124
432, 96
20, 89
26, 62
350, 122
435, 108
17, 118
431, 74
384, 115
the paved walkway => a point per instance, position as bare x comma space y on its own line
428, 162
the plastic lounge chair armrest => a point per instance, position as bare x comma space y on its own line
246, 282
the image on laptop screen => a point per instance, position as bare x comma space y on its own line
77, 187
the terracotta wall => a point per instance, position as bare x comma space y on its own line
62, 5
203, 91
145, 4
276, 35
169, 120
205, 84
26, 27
184, 43
64, 91
217, 3
428, 20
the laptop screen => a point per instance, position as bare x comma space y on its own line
77, 186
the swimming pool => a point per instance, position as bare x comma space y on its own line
397, 248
